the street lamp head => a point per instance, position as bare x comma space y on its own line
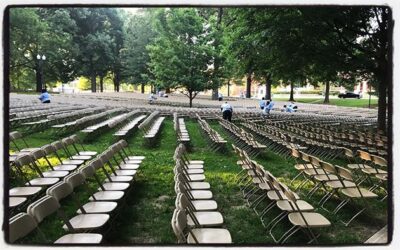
38, 57
43, 57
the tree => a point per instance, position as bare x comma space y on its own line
138, 33
180, 56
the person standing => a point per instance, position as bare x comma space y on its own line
220, 96
45, 96
227, 111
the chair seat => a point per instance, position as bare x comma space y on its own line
107, 196
114, 186
199, 185
303, 166
55, 173
204, 205
136, 161
196, 162
195, 171
288, 206
16, 201
264, 186
135, 158
312, 219
195, 166
24, 191
201, 194
73, 162
210, 236
315, 171
124, 172
326, 177
382, 177
91, 153
196, 177
373, 171
82, 238
81, 157
358, 166
338, 184
357, 193
208, 219
65, 167
273, 195
120, 178
27, 150
42, 182
129, 166
98, 207
88, 221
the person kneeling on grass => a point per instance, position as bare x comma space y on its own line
44, 97
227, 111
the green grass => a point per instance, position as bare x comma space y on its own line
359, 103
146, 215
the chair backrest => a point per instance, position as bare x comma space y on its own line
305, 157
123, 143
75, 138
75, 179
48, 149
37, 154
295, 153
364, 155
379, 160
43, 207
15, 135
60, 190
348, 153
67, 141
344, 173
183, 202
315, 161
329, 168
57, 145
87, 171
179, 224
23, 160
98, 163
20, 225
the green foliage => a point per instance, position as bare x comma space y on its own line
181, 55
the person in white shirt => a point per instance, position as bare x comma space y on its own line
227, 111
220, 96
152, 98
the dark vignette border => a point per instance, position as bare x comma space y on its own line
6, 110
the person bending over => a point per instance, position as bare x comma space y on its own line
44, 97
227, 111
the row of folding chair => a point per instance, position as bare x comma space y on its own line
243, 139
180, 130
217, 141
195, 219
333, 181
104, 125
93, 216
151, 127
129, 128
265, 193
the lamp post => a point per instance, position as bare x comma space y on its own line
41, 59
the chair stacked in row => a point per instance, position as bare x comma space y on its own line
103, 126
180, 129
129, 128
264, 192
195, 219
333, 180
216, 140
151, 127
48, 175
243, 139
16, 138
83, 122
94, 217
57, 118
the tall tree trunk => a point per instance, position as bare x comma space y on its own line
217, 59
327, 87
142, 88
38, 78
291, 92
167, 90
382, 88
229, 88
268, 87
101, 83
248, 86
93, 82
116, 81
190, 98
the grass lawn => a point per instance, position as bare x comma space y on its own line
359, 103
146, 216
